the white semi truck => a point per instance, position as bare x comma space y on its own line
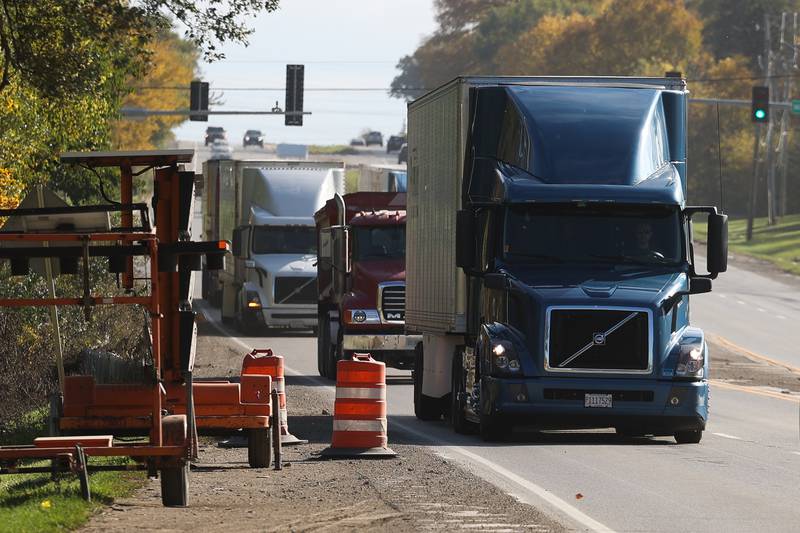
266, 208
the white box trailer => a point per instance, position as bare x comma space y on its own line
266, 208
383, 178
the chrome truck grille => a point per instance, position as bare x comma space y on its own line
295, 290
613, 340
392, 300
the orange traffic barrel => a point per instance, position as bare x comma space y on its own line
265, 362
359, 413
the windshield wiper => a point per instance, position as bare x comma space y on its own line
639, 260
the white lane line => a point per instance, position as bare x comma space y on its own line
721, 295
726, 436
781, 317
542, 493
796, 453
760, 310
739, 302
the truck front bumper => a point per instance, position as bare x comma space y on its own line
396, 351
293, 318
380, 342
657, 407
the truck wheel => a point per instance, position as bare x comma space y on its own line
259, 445
457, 404
691, 436
175, 479
425, 407
323, 345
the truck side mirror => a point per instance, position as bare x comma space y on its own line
717, 260
237, 242
465, 239
699, 285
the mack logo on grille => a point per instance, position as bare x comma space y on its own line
599, 339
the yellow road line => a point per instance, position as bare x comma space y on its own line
755, 390
752, 355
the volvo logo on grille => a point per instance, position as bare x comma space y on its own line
599, 339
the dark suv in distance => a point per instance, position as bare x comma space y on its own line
402, 156
394, 143
213, 133
253, 138
373, 137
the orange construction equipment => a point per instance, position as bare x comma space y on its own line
267, 363
359, 413
163, 407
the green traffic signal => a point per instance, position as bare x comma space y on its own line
759, 110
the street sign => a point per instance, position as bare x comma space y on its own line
796, 107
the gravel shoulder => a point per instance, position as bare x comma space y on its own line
417, 491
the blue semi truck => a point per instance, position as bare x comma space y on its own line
550, 258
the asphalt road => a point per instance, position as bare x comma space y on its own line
757, 312
742, 477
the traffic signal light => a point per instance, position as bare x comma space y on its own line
760, 105
198, 100
294, 95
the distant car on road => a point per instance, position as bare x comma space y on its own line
402, 157
213, 133
253, 138
394, 143
220, 149
373, 137
358, 141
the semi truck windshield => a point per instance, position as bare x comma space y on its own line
593, 235
383, 242
284, 240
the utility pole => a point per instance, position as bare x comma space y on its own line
770, 151
789, 68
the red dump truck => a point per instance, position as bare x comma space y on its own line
361, 275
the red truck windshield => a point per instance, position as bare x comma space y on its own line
383, 242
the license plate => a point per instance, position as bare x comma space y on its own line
597, 400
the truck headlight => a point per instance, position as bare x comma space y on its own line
359, 316
691, 360
253, 300
504, 357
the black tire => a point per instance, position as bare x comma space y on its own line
425, 407
691, 436
259, 446
175, 486
457, 416
323, 343
492, 427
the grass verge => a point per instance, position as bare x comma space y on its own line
36, 503
334, 149
778, 244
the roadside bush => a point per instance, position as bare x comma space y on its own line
28, 349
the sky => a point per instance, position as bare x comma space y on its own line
343, 44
